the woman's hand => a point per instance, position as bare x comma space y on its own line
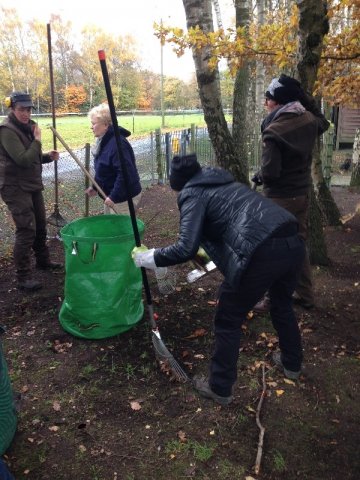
91, 192
109, 202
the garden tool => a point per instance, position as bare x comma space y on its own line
161, 350
77, 160
55, 218
203, 265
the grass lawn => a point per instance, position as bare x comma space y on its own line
76, 130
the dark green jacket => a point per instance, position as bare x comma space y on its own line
20, 158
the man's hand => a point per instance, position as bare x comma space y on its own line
54, 155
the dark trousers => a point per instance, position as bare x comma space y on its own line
299, 207
274, 268
28, 212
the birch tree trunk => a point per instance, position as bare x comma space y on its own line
241, 92
313, 25
260, 70
355, 175
199, 13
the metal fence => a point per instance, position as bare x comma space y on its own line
153, 156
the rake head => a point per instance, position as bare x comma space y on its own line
163, 354
56, 219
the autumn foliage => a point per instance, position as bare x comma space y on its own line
276, 42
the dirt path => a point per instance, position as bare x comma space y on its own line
103, 410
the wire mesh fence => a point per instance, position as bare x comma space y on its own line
153, 156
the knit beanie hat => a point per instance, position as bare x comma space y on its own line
284, 90
183, 167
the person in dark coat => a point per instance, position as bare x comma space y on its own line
256, 246
21, 188
289, 132
108, 167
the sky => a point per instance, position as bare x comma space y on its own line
120, 17
135, 17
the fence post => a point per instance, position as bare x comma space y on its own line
158, 156
152, 157
87, 181
183, 142
193, 138
327, 154
167, 153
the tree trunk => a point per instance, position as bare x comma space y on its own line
313, 25
241, 94
355, 175
316, 241
198, 13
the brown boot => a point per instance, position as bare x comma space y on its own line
29, 284
48, 265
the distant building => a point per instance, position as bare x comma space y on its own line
346, 121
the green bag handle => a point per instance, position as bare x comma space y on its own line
75, 251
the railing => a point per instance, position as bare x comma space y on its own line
153, 156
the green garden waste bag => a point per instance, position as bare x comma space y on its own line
103, 287
8, 418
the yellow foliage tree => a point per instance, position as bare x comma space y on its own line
275, 43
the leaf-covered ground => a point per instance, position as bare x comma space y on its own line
104, 410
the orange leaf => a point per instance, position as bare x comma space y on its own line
199, 332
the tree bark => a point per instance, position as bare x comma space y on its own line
198, 13
313, 25
241, 93
355, 175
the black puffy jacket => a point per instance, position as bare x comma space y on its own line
226, 218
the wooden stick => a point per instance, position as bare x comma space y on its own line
90, 177
262, 429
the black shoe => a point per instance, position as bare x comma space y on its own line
262, 306
29, 285
203, 388
49, 265
303, 303
290, 374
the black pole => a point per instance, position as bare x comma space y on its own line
102, 58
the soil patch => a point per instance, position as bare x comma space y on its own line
104, 410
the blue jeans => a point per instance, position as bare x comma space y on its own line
274, 268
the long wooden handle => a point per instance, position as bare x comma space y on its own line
90, 177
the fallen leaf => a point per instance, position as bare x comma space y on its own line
279, 392
307, 330
289, 382
56, 406
272, 384
250, 409
182, 436
135, 405
199, 332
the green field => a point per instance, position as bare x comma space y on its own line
76, 131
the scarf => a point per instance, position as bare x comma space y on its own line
25, 128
